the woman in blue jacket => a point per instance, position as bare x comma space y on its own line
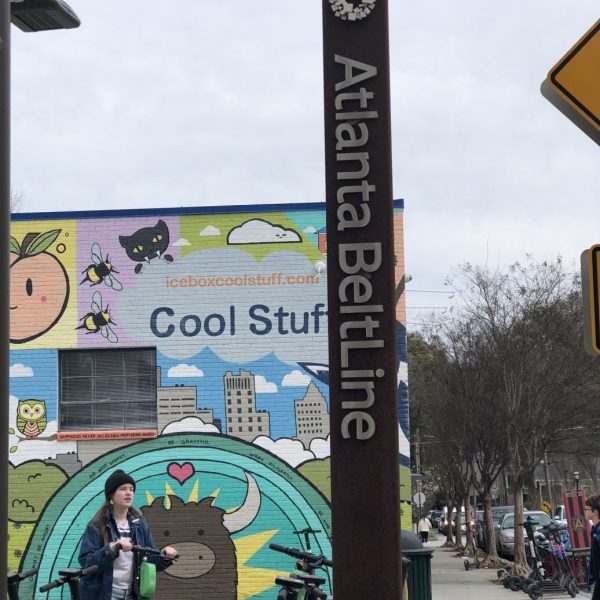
108, 539
592, 512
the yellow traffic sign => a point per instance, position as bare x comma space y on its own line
545, 506
590, 276
573, 84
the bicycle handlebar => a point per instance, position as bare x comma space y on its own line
313, 558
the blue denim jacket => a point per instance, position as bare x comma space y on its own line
95, 552
594, 560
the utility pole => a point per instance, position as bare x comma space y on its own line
418, 466
4, 273
548, 482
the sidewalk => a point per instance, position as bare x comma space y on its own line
450, 581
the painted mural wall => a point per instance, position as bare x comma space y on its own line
230, 445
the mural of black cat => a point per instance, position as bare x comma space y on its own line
146, 244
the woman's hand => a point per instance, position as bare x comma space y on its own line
169, 551
122, 544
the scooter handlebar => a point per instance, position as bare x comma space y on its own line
153, 552
144, 550
89, 570
26, 574
14, 577
302, 555
52, 585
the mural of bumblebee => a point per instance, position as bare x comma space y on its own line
101, 270
98, 320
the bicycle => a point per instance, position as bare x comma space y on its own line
71, 577
14, 580
302, 583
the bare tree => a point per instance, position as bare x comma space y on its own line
530, 315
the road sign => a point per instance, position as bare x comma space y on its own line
573, 84
590, 277
545, 506
419, 498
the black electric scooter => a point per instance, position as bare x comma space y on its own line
13, 581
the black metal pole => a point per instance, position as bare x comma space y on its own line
4, 278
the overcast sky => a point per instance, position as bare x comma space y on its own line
197, 103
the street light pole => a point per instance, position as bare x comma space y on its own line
32, 16
4, 278
418, 467
548, 482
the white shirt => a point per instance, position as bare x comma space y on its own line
123, 565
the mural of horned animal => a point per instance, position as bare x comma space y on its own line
201, 533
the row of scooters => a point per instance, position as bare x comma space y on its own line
552, 571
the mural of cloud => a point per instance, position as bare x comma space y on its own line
403, 372
296, 379
190, 425
403, 442
291, 451
210, 230
183, 370
320, 448
263, 386
182, 242
20, 370
257, 231
309, 229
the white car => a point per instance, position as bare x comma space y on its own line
505, 534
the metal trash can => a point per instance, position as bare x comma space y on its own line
406, 563
419, 573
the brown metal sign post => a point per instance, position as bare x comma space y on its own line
360, 272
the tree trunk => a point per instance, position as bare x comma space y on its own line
490, 532
470, 520
520, 566
449, 540
457, 532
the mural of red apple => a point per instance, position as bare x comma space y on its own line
39, 287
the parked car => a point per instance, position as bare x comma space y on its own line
480, 533
443, 526
560, 514
435, 516
505, 533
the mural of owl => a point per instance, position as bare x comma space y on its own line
31, 418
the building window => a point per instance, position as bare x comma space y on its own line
107, 389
